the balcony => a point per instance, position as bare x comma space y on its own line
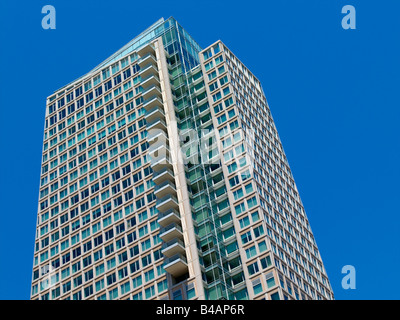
147, 59
167, 217
158, 151
170, 232
176, 265
152, 102
226, 225
160, 137
148, 70
215, 170
154, 114
157, 124
148, 49
163, 161
173, 247
164, 189
204, 123
166, 203
163, 175
152, 90
150, 80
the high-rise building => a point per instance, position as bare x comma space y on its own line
163, 177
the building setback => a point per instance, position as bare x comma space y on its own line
163, 177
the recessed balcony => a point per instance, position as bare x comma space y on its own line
150, 80
166, 203
161, 162
164, 189
147, 59
155, 113
176, 265
152, 90
215, 170
147, 70
173, 247
157, 124
158, 151
159, 137
163, 175
152, 102
170, 232
146, 49
165, 218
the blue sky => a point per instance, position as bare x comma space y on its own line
333, 94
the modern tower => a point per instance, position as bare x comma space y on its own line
163, 177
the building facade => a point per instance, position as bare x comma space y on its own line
163, 177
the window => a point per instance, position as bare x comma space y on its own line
122, 273
234, 181
207, 54
148, 276
136, 282
252, 202
232, 167
246, 237
255, 217
125, 288
213, 86
257, 286
216, 48
149, 292
249, 188
221, 119
161, 286
265, 262
226, 91
217, 96
275, 296
218, 60
111, 279
239, 208
253, 268
177, 295
191, 292
258, 231
262, 246
238, 194
244, 222
269, 278
251, 252
209, 65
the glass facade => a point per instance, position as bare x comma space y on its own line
163, 177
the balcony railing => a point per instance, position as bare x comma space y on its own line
165, 200
174, 258
160, 136
164, 184
171, 243
158, 123
150, 88
166, 171
148, 56
168, 212
160, 162
148, 68
176, 265
147, 103
154, 76
170, 227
